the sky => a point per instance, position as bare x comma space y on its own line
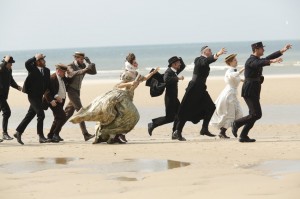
48, 24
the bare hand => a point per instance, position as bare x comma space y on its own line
242, 70
156, 70
7, 57
53, 103
221, 52
59, 99
286, 47
277, 60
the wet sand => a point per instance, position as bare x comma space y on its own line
149, 167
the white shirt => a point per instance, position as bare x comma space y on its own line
173, 69
62, 88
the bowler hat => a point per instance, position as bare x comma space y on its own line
79, 54
229, 58
257, 45
61, 67
11, 60
173, 60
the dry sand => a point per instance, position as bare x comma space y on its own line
218, 168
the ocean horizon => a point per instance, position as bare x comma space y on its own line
110, 60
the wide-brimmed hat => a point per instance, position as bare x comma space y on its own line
173, 60
257, 45
229, 58
62, 67
79, 54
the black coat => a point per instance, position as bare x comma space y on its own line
6, 80
253, 74
36, 84
156, 83
171, 96
196, 101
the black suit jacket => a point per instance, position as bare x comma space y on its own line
6, 80
253, 70
36, 84
171, 96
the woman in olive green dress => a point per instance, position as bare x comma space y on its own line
114, 111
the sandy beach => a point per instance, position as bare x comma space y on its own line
156, 166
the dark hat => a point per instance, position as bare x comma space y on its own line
257, 45
204, 47
11, 60
173, 60
61, 67
229, 58
79, 54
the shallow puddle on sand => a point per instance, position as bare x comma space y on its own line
277, 168
128, 165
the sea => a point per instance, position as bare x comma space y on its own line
110, 60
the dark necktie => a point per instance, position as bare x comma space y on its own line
235, 70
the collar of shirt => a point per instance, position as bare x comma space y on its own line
174, 70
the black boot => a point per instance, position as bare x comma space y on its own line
88, 136
234, 129
205, 131
6, 136
42, 139
18, 135
1, 140
244, 136
223, 133
177, 135
151, 127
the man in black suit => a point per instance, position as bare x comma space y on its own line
55, 99
196, 104
176, 66
35, 85
6, 80
252, 87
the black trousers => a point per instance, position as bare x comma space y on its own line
59, 119
172, 106
74, 104
255, 114
35, 108
4, 107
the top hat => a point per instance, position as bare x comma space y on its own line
61, 67
173, 60
79, 54
257, 45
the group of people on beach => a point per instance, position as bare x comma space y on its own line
114, 111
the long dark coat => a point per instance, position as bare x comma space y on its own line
253, 74
196, 101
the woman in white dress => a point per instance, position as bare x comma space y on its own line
114, 111
228, 107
